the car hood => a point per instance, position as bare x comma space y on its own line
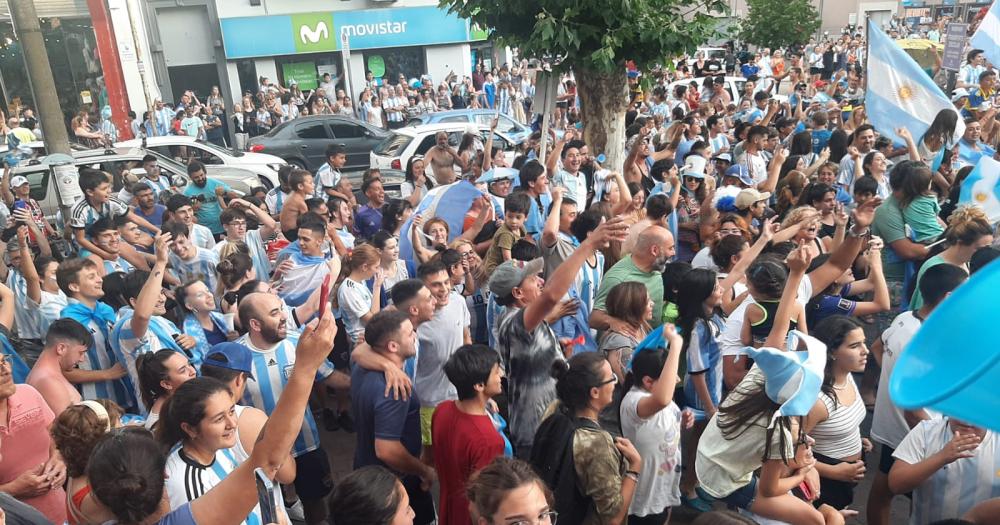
260, 158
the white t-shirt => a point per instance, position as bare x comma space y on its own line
889, 427
439, 338
703, 259
658, 440
355, 301
955, 489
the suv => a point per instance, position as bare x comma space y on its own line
186, 149
395, 151
480, 117
117, 161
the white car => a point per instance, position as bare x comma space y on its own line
185, 149
710, 53
396, 150
734, 85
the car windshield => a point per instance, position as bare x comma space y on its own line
393, 145
219, 150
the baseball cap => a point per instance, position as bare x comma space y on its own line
511, 274
18, 180
724, 156
741, 172
747, 197
232, 356
959, 94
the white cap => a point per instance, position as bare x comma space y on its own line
18, 180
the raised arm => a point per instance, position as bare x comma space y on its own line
624, 195
798, 261
560, 281
842, 259
663, 388
911, 145
268, 226
8, 197
34, 283
420, 252
550, 232
145, 303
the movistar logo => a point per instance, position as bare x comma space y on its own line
313, 36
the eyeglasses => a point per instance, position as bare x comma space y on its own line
614, 379
542, 519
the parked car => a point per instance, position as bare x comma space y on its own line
480, 117
185, 149
302, 142
734, 85
395, 151
118, 161
392, 180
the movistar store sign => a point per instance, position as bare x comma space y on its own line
366, 29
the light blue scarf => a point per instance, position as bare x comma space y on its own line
193, 328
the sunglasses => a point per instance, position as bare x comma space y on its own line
614, 379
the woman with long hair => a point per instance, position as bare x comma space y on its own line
233, 270
370, 495
75, 432
467, 150
127, 468
358, 304
201, 320
875, 165
694, 192
395, 213
969, 229
393, 268
160, 374
416, 183
940, 136
835, 421
788, 191
629, 304
594, 475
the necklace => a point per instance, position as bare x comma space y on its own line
840, 387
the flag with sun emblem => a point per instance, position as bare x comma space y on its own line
982, 188
900, 94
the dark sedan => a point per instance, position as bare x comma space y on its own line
302, 142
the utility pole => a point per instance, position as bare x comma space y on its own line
43, 88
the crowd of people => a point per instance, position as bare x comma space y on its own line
708, 327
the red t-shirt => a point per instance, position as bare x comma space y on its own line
463, 444
25, 445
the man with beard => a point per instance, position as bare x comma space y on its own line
653, 250
209, 192
273, 348
146, 205
141, 327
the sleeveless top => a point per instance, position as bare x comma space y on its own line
74, 506
840, 435
762, 328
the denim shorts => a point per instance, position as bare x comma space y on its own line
743, 497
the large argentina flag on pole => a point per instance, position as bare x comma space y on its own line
987, 35
900, 94
982, 188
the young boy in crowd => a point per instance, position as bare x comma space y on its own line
190, 262
181, 210
516, 208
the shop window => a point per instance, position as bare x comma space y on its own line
247, 71
391, 62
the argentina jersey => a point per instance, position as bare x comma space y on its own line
272, 368
187, 480
158, 185
117, 265
26, 319
82, 214
131, 347
201, 236
100, 356
199, 268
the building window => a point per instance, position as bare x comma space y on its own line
389, 63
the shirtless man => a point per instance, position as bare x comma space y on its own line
301, 183
442, 159
66, 346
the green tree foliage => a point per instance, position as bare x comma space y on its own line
779, 23
595, 34
595, 38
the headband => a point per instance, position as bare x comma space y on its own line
101, 412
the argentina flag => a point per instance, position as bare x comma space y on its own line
900, 94
987, 36
982, 188
449, 202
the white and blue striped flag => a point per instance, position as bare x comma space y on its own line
449, 202
982, 188
987, 35
900, 93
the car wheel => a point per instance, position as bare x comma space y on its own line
266, 182
296, 163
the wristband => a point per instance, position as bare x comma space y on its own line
852, 233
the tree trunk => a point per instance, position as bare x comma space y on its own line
603, 102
